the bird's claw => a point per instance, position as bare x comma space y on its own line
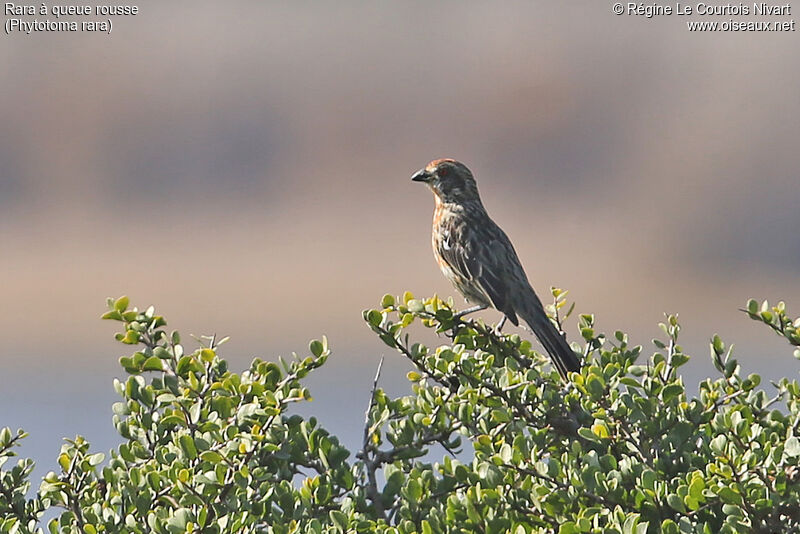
498, 330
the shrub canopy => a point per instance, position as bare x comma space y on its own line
623, 448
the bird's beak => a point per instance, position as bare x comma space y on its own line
421, 176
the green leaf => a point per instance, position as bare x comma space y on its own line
64, 461
153, 363
718, 444
586, 433
187, 445
676, 503
671, 391
416, 306
374, 317
316, 348
696, 487
339, 519
131, 337
668, 526
207, 355
719, 346
630, 382
414, 490
121, 304
501, 416
729, 496
633, 526
112, 315
595, 386
792, 447
5, 436
506, 453
211, 457
600, 430
649, 478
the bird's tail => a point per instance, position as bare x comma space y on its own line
564, 358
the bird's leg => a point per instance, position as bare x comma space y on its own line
473, 309
500, 325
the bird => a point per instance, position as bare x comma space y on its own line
477, 256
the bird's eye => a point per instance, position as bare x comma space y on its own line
443, 172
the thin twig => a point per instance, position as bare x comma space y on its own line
370, 464
371, 402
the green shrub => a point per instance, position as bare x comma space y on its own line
621, 449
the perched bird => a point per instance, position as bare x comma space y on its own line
479, 259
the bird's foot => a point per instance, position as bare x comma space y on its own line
473, 309
498, 330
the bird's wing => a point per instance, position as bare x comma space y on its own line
486, 259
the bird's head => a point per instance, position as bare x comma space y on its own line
450, 181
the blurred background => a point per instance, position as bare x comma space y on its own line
246, 169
